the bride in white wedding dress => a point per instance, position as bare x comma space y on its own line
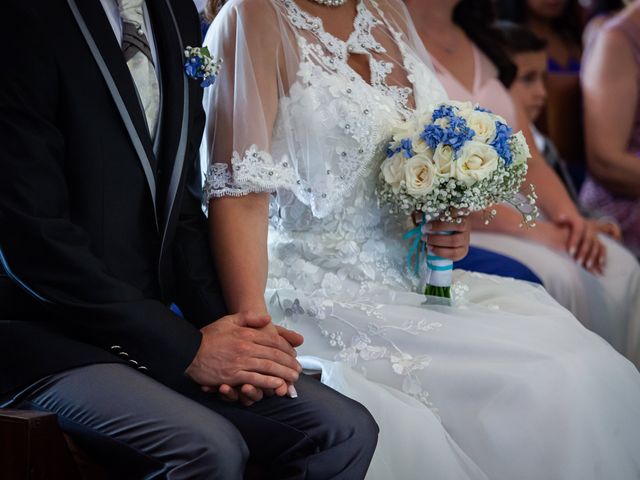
504, 385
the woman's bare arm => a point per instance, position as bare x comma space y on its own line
610, 89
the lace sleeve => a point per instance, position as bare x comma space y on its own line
242, 106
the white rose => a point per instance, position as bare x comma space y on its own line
483, 124
520, 149
443, 158
420, 147
476, 161
464, 108
393, 171
406, 129
420, 174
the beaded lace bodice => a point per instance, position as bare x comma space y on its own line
343, 119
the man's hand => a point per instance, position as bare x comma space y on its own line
238, 350
247, 394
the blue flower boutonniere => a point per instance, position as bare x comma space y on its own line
200, 66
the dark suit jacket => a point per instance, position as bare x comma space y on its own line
100, 229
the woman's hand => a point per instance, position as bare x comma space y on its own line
453, 245
609, 228
583, 244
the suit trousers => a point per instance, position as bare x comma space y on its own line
139, 428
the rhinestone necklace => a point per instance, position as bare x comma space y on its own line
331, 3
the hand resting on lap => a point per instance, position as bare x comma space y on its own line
246, 351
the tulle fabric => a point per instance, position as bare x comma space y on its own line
517, 387
274, 55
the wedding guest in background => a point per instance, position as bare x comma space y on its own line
597, 13
558, 23
611, 85
528, 52
598, 280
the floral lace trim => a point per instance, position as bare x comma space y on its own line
361, 41
364, 346
362, 36
254, 172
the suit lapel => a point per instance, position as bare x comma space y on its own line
175, 115
104, 47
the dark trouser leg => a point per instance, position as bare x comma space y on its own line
320, 435
155, 432
138, 427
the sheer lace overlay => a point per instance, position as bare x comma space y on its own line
300, 122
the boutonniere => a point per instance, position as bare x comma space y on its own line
200, 66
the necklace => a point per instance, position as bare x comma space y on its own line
331, 3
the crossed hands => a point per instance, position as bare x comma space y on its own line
245, 357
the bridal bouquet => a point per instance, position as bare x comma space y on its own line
456, 160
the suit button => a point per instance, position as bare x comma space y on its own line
123, 354
133, 362
143, 369
115, 347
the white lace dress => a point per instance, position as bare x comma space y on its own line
505, 385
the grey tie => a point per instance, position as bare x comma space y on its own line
137, 54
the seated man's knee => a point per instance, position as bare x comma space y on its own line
354, 424
216, 450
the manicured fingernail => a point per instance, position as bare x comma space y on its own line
572, 251
291, 390
589, 264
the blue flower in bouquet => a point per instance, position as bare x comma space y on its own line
200, 66
458, 133
454, 132
433, 135
406, 147
443, 111
501, 142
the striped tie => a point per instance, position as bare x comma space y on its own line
137, 54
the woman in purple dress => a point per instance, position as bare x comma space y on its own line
611, 88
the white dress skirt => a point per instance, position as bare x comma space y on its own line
506, 384
607, 304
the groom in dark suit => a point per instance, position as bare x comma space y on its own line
101, 230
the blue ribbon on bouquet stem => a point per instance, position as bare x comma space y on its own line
418, 247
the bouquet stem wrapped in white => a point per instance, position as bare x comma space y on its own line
456, 160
